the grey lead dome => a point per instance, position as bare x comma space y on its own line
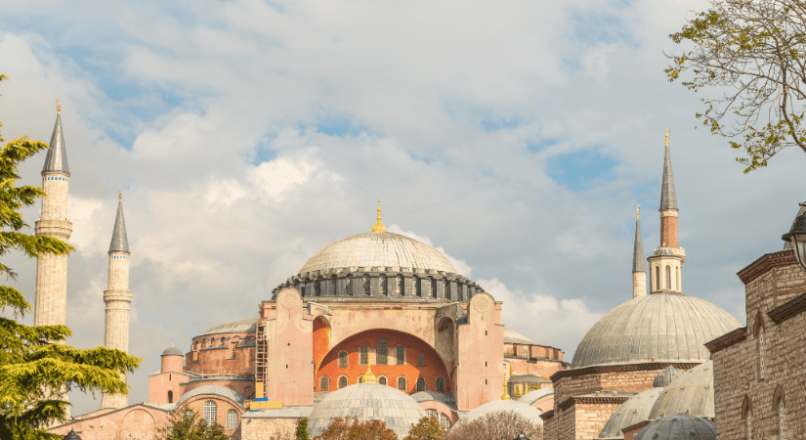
664, 326
172, 351
679, 427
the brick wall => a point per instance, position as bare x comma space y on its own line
268, 429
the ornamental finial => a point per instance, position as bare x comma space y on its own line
58, 106
120, 195
368, 377
505, 396
637, 211
379, 227
667, 137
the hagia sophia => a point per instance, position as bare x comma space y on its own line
381, 326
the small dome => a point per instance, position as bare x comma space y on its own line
666, 376
679, 427
498, 406
692, 393
366, 401
665, 326
664, 251
635, 410
172, 351
378, 249
533, 396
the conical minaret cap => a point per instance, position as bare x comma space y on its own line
120, 242
638, 264
56, 159
668, 199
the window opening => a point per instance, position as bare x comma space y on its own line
343, 359
363, 355
420, 360
668, 277
401, 354
342, 382
421, 384
170, 397
382, 380
210, 409
381, 352
441, 384
401, 383
324, 383
232, 419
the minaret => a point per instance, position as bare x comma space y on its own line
117, 297
666, 263
638, 265
50, 305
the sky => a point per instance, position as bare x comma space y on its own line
517, 137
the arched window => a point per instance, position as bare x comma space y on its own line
382, 380
781, 419
668, 277
657, 277
324, 383
441, 384
343, 359
420, 360
170, 397
749, 417
381, 352
210, 410
399, 285
317, 288
232, 419
433, 287
363, 355
401, 384
677, 277
365, 283
401, 354
342, 382
421, 384
525, 352
348, 285
761, 352
382, 287
432, 413
444, 421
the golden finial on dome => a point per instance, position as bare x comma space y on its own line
120, 195
637, 211
58, 106
505, 396
379, 227
368, 377
667, 137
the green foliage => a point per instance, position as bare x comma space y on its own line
496, 426
185, 424
34, 371
349, 428
302, 429
753, 52
426, 429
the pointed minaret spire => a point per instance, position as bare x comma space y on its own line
120, 241
638, 265
668, 199
56, 159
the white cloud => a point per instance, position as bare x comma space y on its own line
461, 266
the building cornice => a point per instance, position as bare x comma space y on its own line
788, 310
621, 368
727, 340
765, 263
547, 415
590, 400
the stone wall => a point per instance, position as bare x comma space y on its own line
268, 429
139, 422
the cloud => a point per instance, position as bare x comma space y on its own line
461, 266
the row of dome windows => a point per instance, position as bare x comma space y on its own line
211, 415
119, 256
381, 355
57, 178
668, 279
387, 287
402, 383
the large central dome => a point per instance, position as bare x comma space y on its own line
664, 327
378, 249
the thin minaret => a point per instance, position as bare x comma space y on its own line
638, 265
118, 298
666, 263
50, 302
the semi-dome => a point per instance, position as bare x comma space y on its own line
366, 401
378, 249
666, 376
679, 427
665, 327
635, 410
240, 326
533, 396
691, 393
498, 406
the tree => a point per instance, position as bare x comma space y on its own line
185, 424
31, 365
426, 429
349, 428
753, 53
496, 426
302, 429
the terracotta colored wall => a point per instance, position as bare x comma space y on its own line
220, 361
540, 368
442, 409
546, 404
289, 350
243, 386
137, 421
160, 384
223, 406
172, 363
433, 368
480, 375
321, 339
668, 231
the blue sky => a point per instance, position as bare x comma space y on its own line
517, 137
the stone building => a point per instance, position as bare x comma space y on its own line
626, 351
373, 299
759, 369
